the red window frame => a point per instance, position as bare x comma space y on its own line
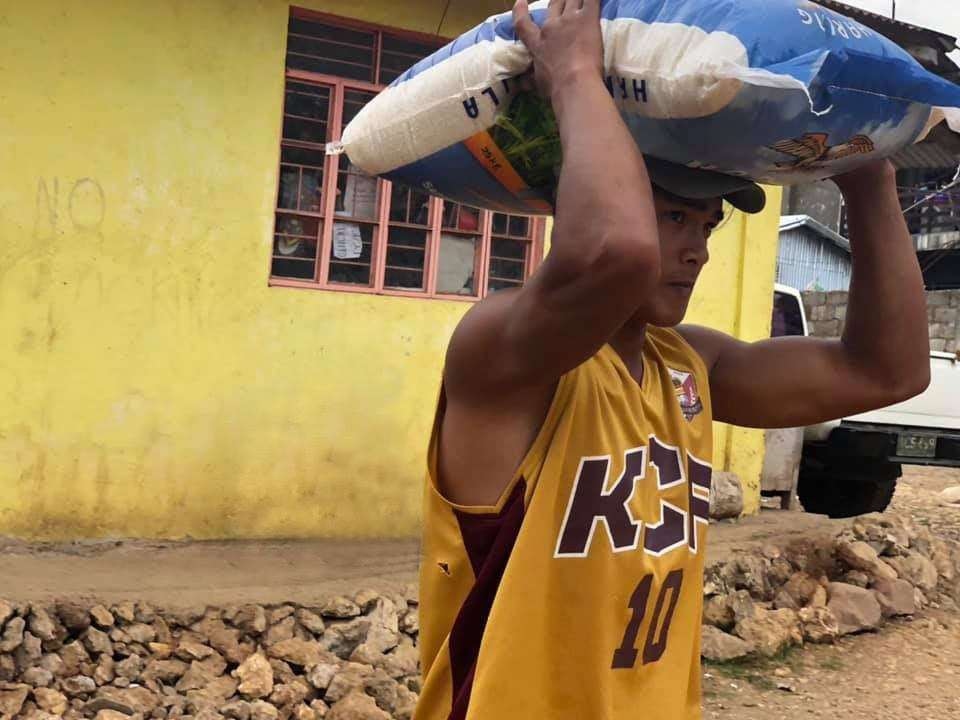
339, 87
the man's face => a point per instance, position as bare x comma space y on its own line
684, 227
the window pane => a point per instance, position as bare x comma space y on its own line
353, 102
406, 258
461, 217
399, 55
500, 224
302, 156
295, 246
503, 248
301, 189
304, 130
409, 206
495, 285
519, 226
356, 193
456, 271
787, 316
308, 101
330, 50
350, 253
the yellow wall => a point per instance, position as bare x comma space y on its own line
151, 384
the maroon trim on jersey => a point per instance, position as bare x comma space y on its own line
488, 540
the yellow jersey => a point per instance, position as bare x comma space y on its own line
579, 595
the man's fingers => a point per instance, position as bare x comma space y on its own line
524, 26
592, 8
555, 8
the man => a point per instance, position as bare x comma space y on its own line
570, 464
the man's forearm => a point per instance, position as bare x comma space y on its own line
604, 187
886, 329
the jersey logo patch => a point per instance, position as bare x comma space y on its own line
685, 386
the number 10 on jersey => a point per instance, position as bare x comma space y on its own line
655, 644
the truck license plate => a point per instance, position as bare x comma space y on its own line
920, 446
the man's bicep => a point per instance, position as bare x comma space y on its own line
788, 382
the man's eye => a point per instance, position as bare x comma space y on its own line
678, 216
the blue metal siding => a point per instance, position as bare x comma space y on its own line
808, 261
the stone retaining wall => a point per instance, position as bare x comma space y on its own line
826, 313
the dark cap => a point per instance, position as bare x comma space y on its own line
695, 184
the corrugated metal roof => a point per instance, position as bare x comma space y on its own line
925, 155
791, 222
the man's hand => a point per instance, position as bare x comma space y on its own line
567, 48
883, 356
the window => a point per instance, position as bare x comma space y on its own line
339, 229
787, 316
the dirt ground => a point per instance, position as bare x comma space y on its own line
908, 671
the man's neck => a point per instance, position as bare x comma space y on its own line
628, 344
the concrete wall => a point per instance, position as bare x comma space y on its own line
826, 313
152, 384
820, 200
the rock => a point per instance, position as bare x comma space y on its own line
303, 712
410, 624
165, 671
951, 496
73, 616
12, 635
29, 652
261, 710
256, 677
321, 674
160, 650
861, 556
8, 668
97, 642
311, 621
769, 631
895, 597
145, 613
854, 608
141, 633
12, 700
783, 599
320, 708
102, 617
252, 619
236, 710
297, 652
726, 496
186, 616
385, 691
139, 699
357, 706
281, 631
105, 671
118, 635
365, 599
111, 715
214, 693
282, 672
917, 569
342, 638
201, 673
718, 612
41, 624
858, 578
289, 694
819, 598
37, 677
50, 700
405, 660
78, 685
6, 612
129, 668
340, 607
226, 641
718, 646
942, 559
349, 677
277, 614
126, 611
818, 624
189, 651
72, 657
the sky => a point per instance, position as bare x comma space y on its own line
942, 15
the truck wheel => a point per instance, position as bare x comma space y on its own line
845, 496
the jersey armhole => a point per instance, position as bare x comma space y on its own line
533, 457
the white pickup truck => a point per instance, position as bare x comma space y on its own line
850, 467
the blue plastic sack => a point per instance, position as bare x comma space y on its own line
781, 91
